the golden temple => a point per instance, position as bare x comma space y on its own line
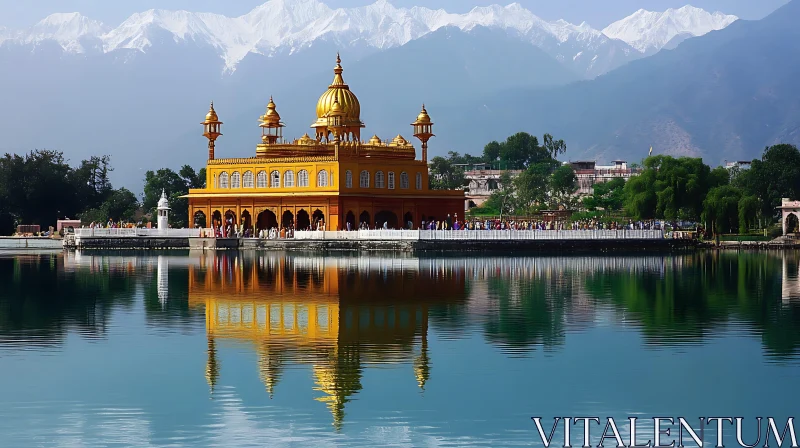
331, 181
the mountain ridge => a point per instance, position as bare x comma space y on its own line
294, 25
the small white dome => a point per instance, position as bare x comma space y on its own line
163, 203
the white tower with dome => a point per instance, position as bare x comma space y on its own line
163, 213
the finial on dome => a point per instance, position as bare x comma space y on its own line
338, 59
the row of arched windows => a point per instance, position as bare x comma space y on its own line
236, 180
381, 180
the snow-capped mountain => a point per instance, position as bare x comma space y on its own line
649, 31
292, 25
288, 26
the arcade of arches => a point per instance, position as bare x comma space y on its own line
332, 180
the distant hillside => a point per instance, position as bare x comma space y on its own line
722, 96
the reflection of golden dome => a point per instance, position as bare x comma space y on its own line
423, 117
272, 116
211, 116
340, 92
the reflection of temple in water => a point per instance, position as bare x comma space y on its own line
336, 314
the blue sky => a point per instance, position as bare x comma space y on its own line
597, 13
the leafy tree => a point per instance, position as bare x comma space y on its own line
491, 152
749, 207
563, 184
444, 175
609, 196
775, 176
501, 200
721, 209
532, 187
175, 185
121, 205
669, 188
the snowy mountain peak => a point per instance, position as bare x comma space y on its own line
67, 29
649, 31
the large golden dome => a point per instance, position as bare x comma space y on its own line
340, 92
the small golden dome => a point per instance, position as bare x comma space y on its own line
423, 117
340, 92
336, 109
375, 140
211, 116
306, 140
271, 116
399, 141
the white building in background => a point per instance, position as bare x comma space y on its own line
483, 181
163, 213
741, 164
589, 174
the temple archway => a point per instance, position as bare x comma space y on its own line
364, 219
303, 220
287, 220
216, 219
350, 218
247, 220
792, 224
318, 220
199, 219
266, 220
387, 217
230, 217
408, 221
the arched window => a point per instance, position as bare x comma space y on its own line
379, 182
223, 180
288, 179
261, 179
419, 181
322, 178
391, 180
274, 179
236, 180
348, 179
247, 179
363, 181
404, 180
302, 178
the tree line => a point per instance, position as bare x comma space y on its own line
724, 200
41, 187
540, 180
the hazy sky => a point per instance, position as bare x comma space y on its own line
597, 13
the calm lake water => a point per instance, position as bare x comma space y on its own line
262, 349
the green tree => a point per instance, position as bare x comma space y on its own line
776, 175
532, 186
749, 207
669, 188
175, 185
721, 209
501, 201
444, 175
563, 184
609, 196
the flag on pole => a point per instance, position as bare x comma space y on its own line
651, 151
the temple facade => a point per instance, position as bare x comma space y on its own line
332, 180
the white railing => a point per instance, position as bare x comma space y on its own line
127, 233
482, 235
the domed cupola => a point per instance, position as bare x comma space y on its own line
340, 100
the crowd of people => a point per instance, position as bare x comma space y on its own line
230, 230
